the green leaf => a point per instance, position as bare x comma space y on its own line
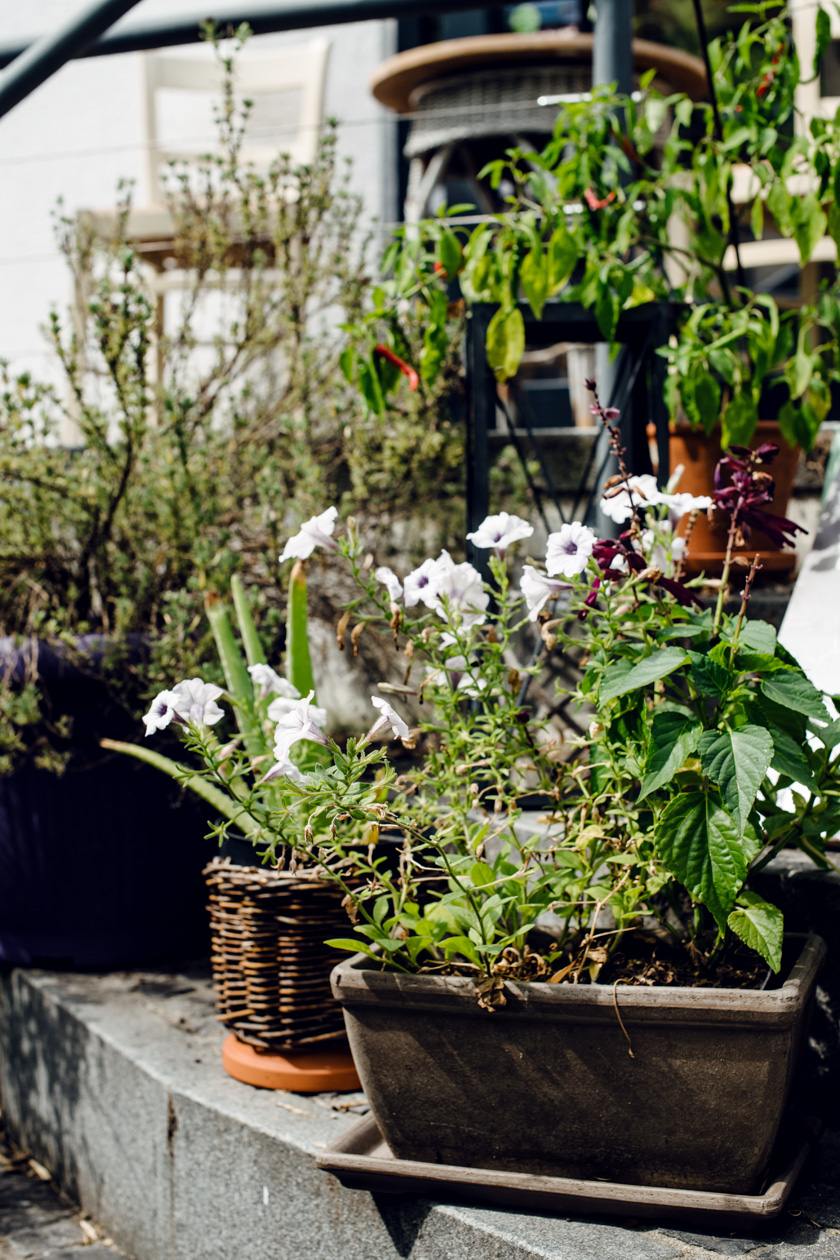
505, 342
673, 738
823, 32
700, 845
759, 925
562, 258
352, 947
809, 224
237, 678
709, 678
739, 420
254, 650
790, 758
451, 254
793, 425
298, 660
617, 682
737, 761
533, 277
481, 874
460, 945
707, 401
606, 309
757, 635
795, 691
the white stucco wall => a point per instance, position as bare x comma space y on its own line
83, 130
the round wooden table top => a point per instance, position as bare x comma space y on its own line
394, 81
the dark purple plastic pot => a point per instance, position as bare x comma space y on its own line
100, 867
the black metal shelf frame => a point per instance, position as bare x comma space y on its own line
639, 393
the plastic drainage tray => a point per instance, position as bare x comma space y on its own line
361, 1160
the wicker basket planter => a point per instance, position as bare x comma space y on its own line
271, 967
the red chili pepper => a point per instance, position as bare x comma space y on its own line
438, 267
593, 202
387, 353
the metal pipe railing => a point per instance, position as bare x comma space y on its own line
35, 63
263, 20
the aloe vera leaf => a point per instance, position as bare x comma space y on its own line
254, 650
208, 791
238, 680
298, 660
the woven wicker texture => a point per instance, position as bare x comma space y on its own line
270, 965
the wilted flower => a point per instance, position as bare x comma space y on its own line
316, 532
163, 711
499, 532
568, 550
643, 492
284, 769
390, 581
749, 490
538, 589
301, 722
388, 717
197, 701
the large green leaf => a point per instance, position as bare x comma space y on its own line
533, 276
562, 257
760, 926
737, 761
617, 682
699, 844
505, 342
739, 420
254, 650
673, 737
790, 758
298, 659
809, 224
795, 691
709, 677
237, 678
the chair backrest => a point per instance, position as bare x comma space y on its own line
811, 102
285, 85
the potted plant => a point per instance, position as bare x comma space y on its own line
614, 978
632, 203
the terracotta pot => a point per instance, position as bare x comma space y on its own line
546, 1084
699, 456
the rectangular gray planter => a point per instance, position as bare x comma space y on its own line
547, 1085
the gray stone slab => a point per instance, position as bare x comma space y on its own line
115, 1083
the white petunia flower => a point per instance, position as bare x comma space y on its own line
538, 589
270, 682
420, 585
644, 492
388, 717
286, 701
500, 531
462, 587
568, 550
197, 701
679, 505
390, 581
285, 769
164, 709
316, 532
301, 722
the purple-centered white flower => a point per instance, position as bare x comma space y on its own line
643, 492
164, 709
538, 589
316, 532
197, 701
460, 587
390, 581
568, 550
420, 585
270, 682
301, 722
388, 716
498, 532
